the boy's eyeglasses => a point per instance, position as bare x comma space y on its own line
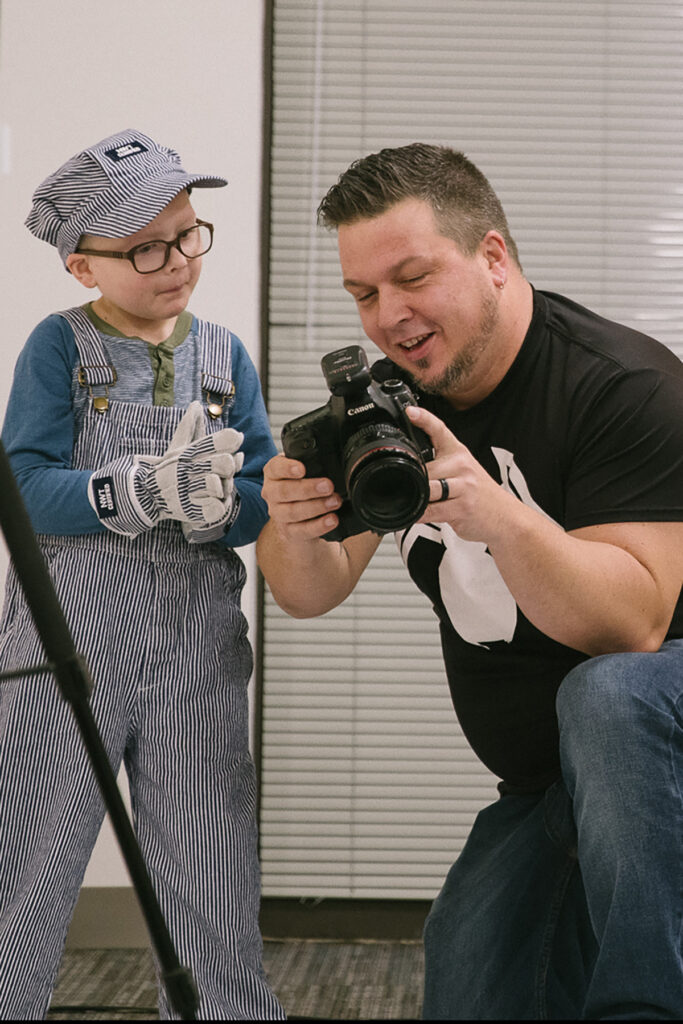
151, 256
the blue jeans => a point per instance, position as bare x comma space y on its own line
567, 905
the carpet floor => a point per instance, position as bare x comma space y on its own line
314, 980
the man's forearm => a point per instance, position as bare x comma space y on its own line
310, 577
597, 590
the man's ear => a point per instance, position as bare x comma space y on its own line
495, 253
79, 265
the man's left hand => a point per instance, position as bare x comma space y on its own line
475, 506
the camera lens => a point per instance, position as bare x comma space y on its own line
385, 478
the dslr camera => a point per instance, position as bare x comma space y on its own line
364, 442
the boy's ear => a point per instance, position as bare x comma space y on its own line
79, 265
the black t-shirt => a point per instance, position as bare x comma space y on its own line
586, 427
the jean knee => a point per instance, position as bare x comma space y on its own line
596, 687
609, 706
610, 685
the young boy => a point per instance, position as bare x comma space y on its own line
137, 434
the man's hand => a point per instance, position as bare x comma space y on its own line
476, 506
300, 507
306, 574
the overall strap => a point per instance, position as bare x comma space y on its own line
216, 361
94, 370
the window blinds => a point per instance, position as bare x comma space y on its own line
368, 787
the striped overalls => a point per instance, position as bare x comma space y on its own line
159, 623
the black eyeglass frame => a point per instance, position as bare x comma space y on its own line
175, 244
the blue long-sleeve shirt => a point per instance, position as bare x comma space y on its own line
46, 403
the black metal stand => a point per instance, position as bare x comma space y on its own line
74, 683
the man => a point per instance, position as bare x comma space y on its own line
552, 549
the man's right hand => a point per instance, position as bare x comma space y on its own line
301, 507
307, 575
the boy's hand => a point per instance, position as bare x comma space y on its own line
192, 428
192, 482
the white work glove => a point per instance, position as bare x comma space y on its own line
195, 427
191, 482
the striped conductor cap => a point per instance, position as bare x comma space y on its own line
112, 189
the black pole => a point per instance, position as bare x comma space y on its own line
73, 680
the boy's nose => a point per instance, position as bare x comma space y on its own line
176, 258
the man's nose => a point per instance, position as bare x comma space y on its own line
392, 309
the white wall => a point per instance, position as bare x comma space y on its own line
189, 75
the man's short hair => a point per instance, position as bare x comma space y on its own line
464, 203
